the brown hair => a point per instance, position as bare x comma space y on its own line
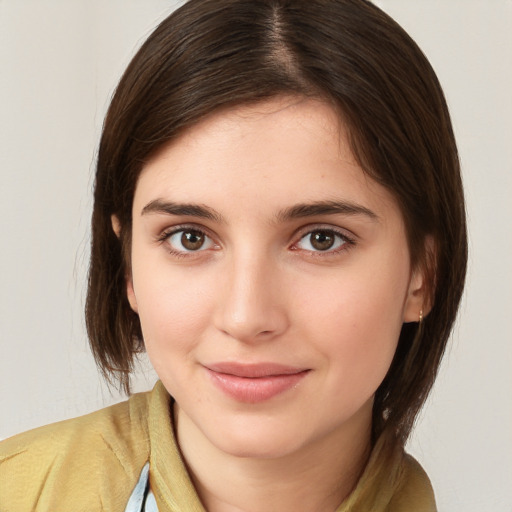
210, 54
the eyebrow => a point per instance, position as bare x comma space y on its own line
297, 211
325, 208
185, 209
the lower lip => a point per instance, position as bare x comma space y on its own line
258, 389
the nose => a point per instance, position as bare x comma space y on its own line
251, 303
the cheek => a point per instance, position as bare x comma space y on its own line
364, 307
359, 334
173, 309
355, 323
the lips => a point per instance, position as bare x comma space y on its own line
253, 383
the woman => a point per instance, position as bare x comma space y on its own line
279, 222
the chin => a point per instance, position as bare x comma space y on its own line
258, 437
261, 447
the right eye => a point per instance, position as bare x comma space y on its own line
322, 240
188, 240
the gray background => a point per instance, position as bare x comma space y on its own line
59, 62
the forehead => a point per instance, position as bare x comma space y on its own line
285, 150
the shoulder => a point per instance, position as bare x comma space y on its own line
414, 489
392, 481
59, 465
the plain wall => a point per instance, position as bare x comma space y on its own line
59, 63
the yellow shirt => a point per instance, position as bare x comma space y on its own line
92, 463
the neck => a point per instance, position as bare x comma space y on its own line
318, 476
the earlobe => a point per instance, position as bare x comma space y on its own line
417, 303
130, 293
419, 296
116, 225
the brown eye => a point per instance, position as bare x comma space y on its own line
189, 240
192, 240
322, 240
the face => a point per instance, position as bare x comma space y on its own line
271, 277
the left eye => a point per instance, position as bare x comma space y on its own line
189, 240
321, 240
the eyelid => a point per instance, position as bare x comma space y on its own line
171, 230
348, 237
167, 233
343, 232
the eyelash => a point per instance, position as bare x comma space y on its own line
347, 241
166, 236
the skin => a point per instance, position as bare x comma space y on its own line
258, 291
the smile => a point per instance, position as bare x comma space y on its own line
255, 382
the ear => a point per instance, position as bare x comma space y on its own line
116, 225
130, 293
418, 302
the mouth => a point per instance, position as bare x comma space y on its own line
253, 383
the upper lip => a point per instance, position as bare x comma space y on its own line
254, 370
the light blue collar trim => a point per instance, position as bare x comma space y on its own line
142, 499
